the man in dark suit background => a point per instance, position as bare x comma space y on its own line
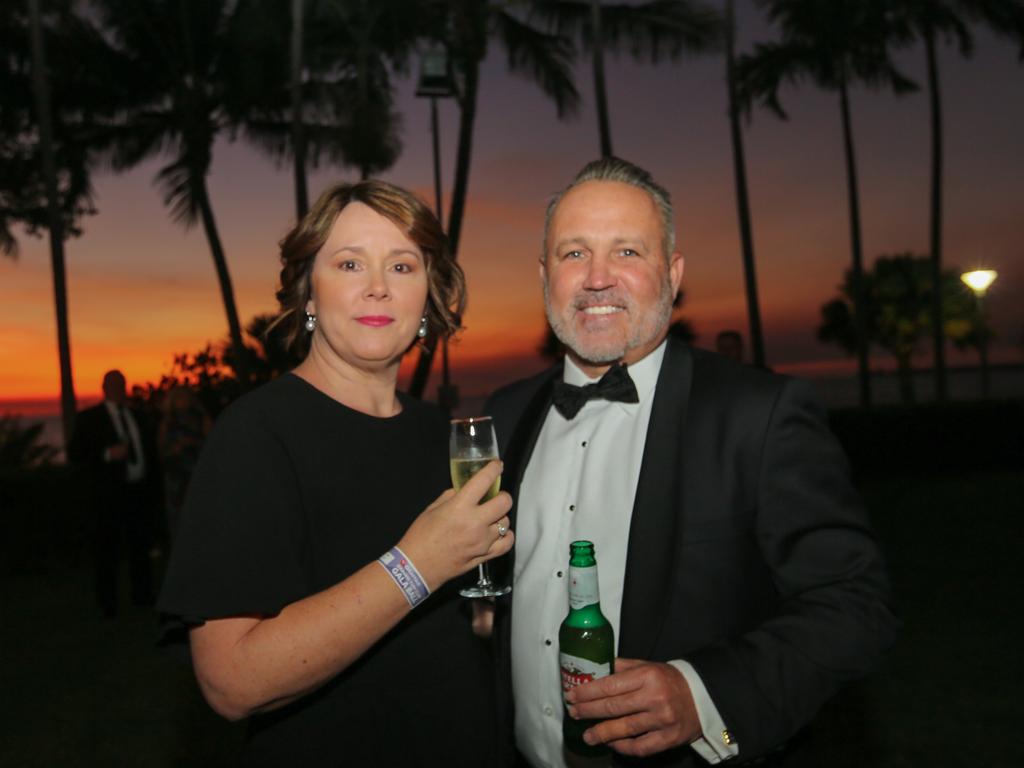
735, 560
114, 444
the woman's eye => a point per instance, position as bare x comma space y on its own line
403, 267
348, 265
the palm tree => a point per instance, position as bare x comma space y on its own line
41, 94
337, 99
465, 28
898, 310
835, 45
647, 30
298, 132
49, 100
949, 20
742, 198
184, 80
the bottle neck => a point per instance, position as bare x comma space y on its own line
584, 597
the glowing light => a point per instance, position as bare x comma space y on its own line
979, 280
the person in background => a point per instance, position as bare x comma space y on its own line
730, 344
317, 553
113, 444
737, 565
184, 425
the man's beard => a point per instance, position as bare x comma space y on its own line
645, 328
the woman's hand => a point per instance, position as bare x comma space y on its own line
457, 533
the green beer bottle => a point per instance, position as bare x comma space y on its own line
586, 642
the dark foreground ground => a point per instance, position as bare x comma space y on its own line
77, 691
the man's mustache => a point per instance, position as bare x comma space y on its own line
606, 297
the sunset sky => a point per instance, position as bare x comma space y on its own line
140, 288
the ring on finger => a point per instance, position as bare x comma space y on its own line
502, 530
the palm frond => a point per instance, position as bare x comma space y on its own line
760, 75
543, 57
176, 181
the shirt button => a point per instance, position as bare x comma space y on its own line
547, 641
548, 710
558, 574
572, 507
584, 444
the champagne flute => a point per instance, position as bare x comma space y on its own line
471, 446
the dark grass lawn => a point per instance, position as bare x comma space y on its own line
78, 691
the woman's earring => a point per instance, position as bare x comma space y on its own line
422, 332
310, 322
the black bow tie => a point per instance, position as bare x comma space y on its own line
614, 385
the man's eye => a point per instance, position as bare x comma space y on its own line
629, 252
574, 255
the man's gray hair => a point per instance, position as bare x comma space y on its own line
623, 171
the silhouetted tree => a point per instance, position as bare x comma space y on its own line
48, 74
647, 30
898, 311
465, 27
186, 78
336, 102
742, 198
835, 45
933, 22
21, 446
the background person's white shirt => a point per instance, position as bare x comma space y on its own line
580, 483
128, 432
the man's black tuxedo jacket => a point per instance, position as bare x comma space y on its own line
94, 432
749, 553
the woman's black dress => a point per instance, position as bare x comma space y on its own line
294, 492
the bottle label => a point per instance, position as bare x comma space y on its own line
577, 671
583, 587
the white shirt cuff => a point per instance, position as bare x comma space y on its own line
716, 743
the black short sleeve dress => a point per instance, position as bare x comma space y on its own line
293, 493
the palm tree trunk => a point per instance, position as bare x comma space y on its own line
936, 217
298, 131
60, 295
600, 90
220, 263
859, 303
467, 119
742, 200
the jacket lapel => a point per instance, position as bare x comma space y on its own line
656, 512
520, 446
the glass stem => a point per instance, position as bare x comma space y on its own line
484, 579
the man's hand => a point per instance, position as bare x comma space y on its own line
646, 706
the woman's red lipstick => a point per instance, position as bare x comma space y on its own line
377, 321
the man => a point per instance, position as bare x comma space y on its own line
735, 561
730, 344
112, 443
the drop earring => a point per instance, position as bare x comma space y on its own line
422, 332
310, 322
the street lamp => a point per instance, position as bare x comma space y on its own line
979, 280
436, 82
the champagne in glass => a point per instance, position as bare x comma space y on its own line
471, 447
463, 469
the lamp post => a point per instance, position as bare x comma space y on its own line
436, 82
979, 280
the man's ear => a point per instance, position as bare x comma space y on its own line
676, 267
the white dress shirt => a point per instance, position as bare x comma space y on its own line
580, 483
128, 433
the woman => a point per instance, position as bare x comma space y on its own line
184, 424
304, 483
